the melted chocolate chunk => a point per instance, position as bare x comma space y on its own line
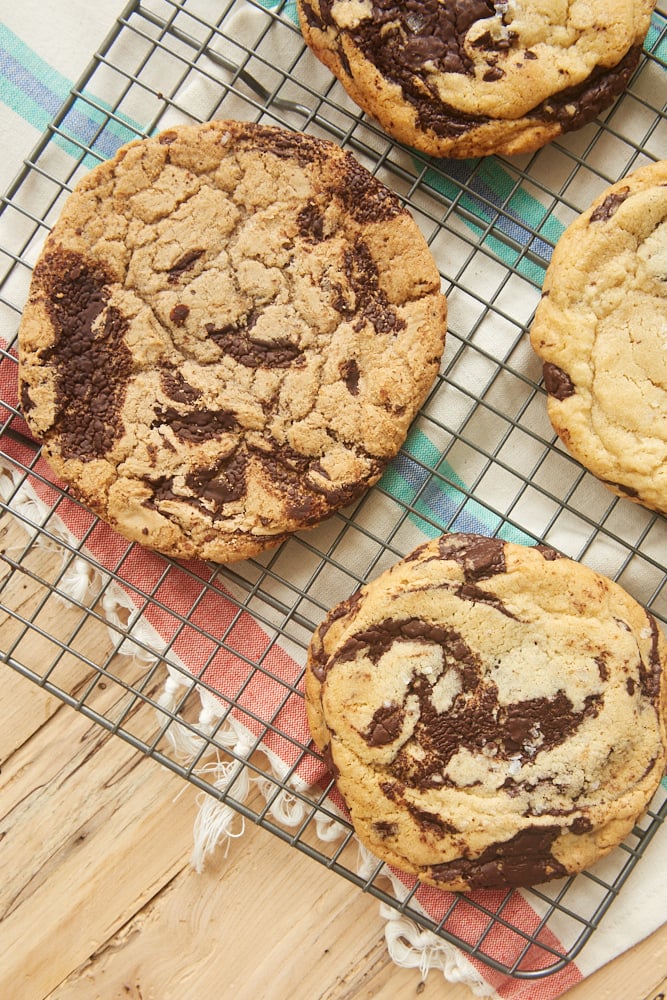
364, 197
163, 489
288, 468
602, 666
306, 511
607, 208
184, 264
393, 790
557, 382
224, 484
179, 314
493, 73
430, 822
627, 491
548, 553
477, 722
254, 353
284, 459
574, 107
208, 488
313, 19
367, 301
89, 355
330, 762
347, 607
385, 829
553, 718
310, 222
499, 43
471, 592
402, 37
650, 673
471, 722
479, 556
286, 145
525, 859
385, 725
346, 493
26, 402
175, 387
376, 640
349, 372
196, 425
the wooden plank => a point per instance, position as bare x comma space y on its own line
90, 834
23, 713
660, 991
263, 922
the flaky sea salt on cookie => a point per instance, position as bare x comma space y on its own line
228, 333
472, 78
494, 714
601, 331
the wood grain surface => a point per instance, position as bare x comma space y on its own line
99, 901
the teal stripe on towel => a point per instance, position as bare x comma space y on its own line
36, 91
421, 479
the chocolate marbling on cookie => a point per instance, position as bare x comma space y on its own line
463, 78
600, 331
228, 333
494, 714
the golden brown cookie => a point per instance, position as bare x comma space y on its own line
463, 78
601, 328
228, 333
494, 714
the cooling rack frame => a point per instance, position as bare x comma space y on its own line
481, 453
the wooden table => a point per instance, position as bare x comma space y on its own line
98, 898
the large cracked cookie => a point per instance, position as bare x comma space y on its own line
464, 78
494, 714
600, 331
228, 333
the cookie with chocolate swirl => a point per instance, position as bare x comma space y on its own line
493, 714
600, 331
229, 330
465, 78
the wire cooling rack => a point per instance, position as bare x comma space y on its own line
203, 663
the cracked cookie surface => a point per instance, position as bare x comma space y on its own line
493, 714
465, 78
228, 333
600, 331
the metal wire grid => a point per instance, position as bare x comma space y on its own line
481, 453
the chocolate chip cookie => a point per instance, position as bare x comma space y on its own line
228, 333
464, 78
600, 330
494, 714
